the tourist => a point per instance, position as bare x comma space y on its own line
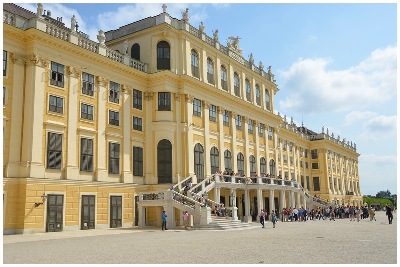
185, 219
357, 212
273, 219
372, 214
389, 213
262, 218
164, 221
201, 200
295, 214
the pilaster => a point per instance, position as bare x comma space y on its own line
127, 149
178, 119
234, 145
101, 88
149, 177
34, 106
14, 154
245, 129
221, 139
72, 170
207, 138
271, 202
189, 145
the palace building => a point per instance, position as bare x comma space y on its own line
96, 133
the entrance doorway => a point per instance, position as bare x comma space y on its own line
115, 211
88, 212
55, 204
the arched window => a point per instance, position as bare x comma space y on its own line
163, 56
214, 156
135, 51
272, 167
210, 71
236, 84
164, 162
195, 64
253, 168
240, 164
224, 83
258, 95
248, 90
199, 162
263, 166
267, 101
228, 160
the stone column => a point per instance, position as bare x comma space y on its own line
245, 129
127, 149
247, 217
14, 154
260, 203
221, 139
292, 199
267, 158
298, 203
206, 119
149, 154
234, 146
216, 194
271, 202
282, 203
34, 104
189, 145
72, 170
234, 208
101, 88
281, 161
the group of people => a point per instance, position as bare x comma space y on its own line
263, 215
219, 210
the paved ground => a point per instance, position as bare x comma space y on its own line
339, 241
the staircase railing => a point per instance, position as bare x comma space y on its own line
203, 186
183, 182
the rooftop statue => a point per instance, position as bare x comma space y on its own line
73, 23
39, 10
261, 66
185, 15
251, 59
215, 33
202, 27
233, 44
164, 8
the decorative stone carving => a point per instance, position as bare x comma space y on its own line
185, 15
233, 44
261, 66
202, 28
148, 96
73, 23
18, 59
125, 50
164, 8
215, 34
251, 59
73, 72
189, 99
39, 10
101, 37
177, 97
38, 61
206, 104
101, 81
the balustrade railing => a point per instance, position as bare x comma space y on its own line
152, 196
88, 44
57, 32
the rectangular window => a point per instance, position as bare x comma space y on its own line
137, 99
301, 164
56, 104
314, 165
113, 117
250, 126
213, 113
314, 154
197, 107
291, 160
54, 151
284, 145
258, 95
308, 182
4, 96
114, 92
137, 123
270, 133
86, 111
4, 63
285, 159
225, 116
137, 161
164, 101
238, 122
113, 158
306, 165
290, 146
86, 155
306, 153
87, 84
260, 129
57, 74
316, 183
301, 152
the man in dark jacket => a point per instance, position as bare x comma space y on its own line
389, 213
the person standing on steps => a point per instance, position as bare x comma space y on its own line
262, 218
164, 220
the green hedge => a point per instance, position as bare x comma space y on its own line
382, 201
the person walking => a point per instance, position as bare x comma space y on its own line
262, 218
273, 219
372, 214
164, 220
389, 213
185, 219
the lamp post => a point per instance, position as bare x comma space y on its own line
44, 197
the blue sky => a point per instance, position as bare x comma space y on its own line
335, 64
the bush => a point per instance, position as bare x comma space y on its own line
382, 201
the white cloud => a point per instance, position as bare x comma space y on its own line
378, 159
374, 125
312, 88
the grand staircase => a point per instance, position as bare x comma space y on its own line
222, 223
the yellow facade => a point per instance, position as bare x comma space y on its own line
34, 44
